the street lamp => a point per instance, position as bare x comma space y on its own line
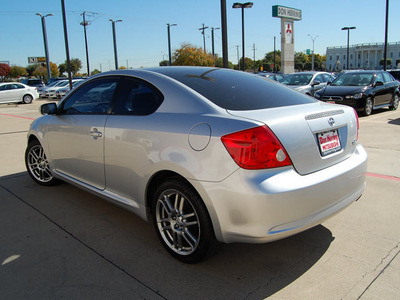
212, 39
348, 38
115, 42
46, 50
169, 43
243, 6
313, 40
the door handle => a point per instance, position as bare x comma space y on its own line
95, 133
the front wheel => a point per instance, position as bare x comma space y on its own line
182, 222
368, 106
37, 164
27, 99
395, 102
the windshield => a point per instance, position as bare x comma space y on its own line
297, 79
354, 79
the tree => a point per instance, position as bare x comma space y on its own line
31, 68
40, 71
4, 71
17, 71
76, 65
388, 62
189, 55
54, 70
163, 63
95, 71
268, 61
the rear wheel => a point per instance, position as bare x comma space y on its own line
368, 106
27, 99
395, 102
182, 222
37, 164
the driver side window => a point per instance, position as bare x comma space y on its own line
94, 97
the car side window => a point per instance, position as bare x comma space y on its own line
95, 97
387, 77
379, 77
319, 78
136, 97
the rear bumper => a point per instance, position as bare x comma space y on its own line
269, 205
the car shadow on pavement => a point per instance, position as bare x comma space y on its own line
85, 243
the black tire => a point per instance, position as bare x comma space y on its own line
395, 102
37, 165
368, 106
182, 222
27, 99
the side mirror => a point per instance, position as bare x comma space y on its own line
48, 109
378, 83
316, 83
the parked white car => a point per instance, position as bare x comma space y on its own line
17, 92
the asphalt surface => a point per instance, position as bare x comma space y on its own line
63, 243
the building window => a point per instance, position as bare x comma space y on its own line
391, 54
344, 56
351, 56
330, 57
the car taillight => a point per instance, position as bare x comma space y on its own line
358, 123
256, 148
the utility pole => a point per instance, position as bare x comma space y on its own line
204, 37
84, 24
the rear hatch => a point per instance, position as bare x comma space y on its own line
315, 136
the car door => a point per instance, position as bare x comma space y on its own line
130, 137
18, 91
322, 83
380, 91
390, 87
8, 94
76, 133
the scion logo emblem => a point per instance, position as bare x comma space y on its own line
331, 121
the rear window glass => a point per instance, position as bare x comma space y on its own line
234, 90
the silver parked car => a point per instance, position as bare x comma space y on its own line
209, 155
307, 82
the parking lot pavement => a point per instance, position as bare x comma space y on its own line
61, 242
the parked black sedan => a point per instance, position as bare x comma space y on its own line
363, 90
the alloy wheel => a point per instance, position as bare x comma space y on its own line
178, 222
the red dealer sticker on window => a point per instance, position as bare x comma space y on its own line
329, 142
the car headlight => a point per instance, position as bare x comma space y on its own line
355, 96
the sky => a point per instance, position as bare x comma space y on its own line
142, 39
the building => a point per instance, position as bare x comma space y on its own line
362, 56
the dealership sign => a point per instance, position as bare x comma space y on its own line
36, 60
286, 12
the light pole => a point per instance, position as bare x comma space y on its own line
224, 34
313, 40
169, 43
46, 50
115, 42
243, 6
212, 39
348, 39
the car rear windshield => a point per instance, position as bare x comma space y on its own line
235, 90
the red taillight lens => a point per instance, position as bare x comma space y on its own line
358, 123
256, 148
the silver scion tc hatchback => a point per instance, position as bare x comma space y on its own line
209, 155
